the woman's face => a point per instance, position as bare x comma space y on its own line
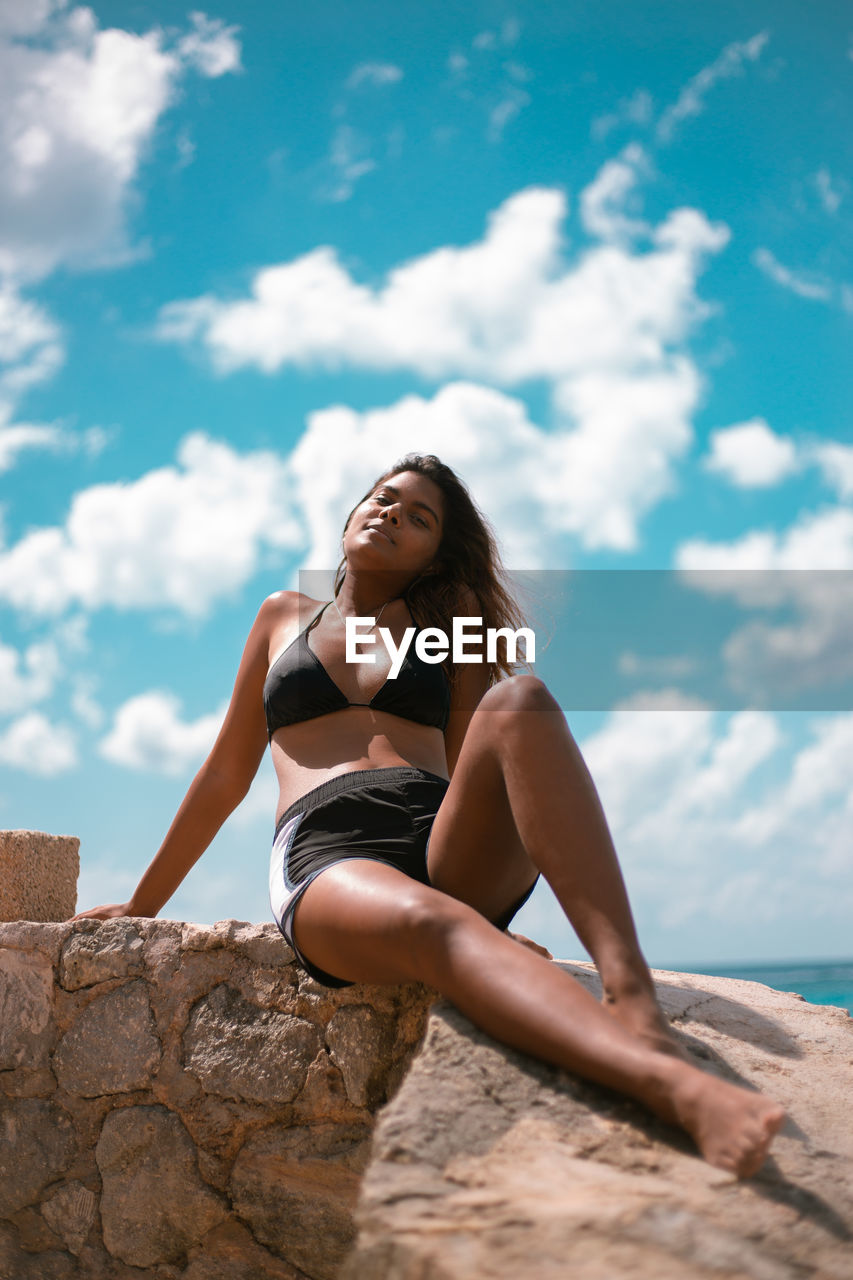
398, 527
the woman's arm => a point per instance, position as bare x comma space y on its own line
220, 784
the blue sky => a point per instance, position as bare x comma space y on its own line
596, 257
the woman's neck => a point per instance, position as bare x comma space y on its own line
364, 594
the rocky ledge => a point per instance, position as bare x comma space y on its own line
489, 1166
179, 1101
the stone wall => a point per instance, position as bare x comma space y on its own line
184, 1101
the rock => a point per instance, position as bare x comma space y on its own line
490, 1164
115, 951
70, 1214
26, 1009
296, 1189
36, 1146
154, 1205
39, 880
239, 1050
229, 1252
360, 1040
111, 1047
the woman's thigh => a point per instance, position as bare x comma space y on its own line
475, 852
365, 921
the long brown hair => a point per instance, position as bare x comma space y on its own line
468, 562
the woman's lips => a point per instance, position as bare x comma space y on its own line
375, 528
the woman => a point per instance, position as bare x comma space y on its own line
416, 814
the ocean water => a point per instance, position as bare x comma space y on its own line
820, 982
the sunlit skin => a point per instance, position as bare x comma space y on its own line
520, 799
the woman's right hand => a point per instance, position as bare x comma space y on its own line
112, 911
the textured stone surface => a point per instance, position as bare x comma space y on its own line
36, 1145
297, 1188
152, 1071
154, 1204
111, 1047
70, 1213
26, 1007
113, 950
39, 880
489, 1164
360, 1042
242, 1051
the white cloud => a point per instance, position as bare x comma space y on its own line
594, 480
803, 285
691, 100
711, 845
149, 735
512, 102
618, 463
636, 110
795, 571
37, 745
606, 332
18, 19
349, 160
821, 778
506, 308
377, 74
830, 194
817, 540
28, 677
80, 106
211, 46
836, 462
604, 201
750, 455
179, 538
31, 350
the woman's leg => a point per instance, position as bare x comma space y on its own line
368, 922
521, 799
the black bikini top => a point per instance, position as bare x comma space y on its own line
298, 688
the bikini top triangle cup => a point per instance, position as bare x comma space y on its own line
298, 688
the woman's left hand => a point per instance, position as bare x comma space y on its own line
534, 946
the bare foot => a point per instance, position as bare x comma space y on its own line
731, 1126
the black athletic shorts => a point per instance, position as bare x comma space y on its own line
385, 815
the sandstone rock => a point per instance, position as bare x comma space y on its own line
154, 1205
70, 1213
490, 1164
39, 880
36, 1145
229, 1252
26, 1004
360, 1040
111, 1047
114, 951
239, 1050
296, 1189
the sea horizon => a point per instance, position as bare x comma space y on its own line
820, 981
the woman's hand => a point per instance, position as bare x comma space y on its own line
112, 911
533, 946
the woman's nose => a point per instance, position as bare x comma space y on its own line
391, 512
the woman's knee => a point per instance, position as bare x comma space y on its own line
519, 693
428, 920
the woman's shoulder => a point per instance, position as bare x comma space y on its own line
288, 606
